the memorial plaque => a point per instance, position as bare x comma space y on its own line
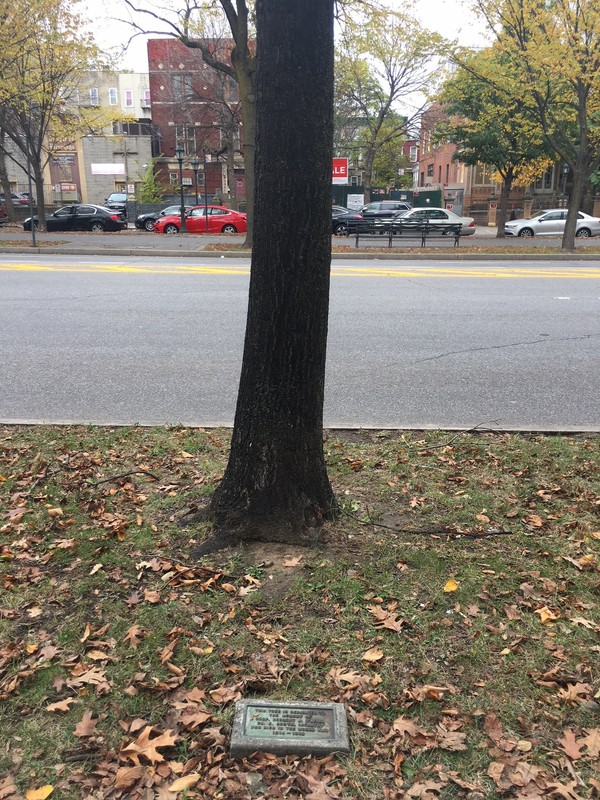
285, 728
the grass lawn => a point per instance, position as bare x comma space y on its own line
453, 608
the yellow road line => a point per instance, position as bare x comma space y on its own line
592, 273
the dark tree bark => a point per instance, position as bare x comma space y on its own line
276, 485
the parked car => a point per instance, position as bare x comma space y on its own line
18, 198
440, 216
220, 220
146, 221
340, 217
552, 223
117, 201
384, 209
81, 217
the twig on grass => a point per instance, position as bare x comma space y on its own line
126, 475
427, 531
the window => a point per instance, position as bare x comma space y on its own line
233, 93
186, 136
146, 98
430, 171
483, 175
94, 99
182, 87
440, 173
414, 152
545, 182
447, 173
128, 98
113, 97
173, 178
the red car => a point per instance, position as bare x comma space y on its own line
220, 220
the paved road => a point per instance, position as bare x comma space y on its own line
434, 343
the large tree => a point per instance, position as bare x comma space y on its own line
554, 48
386, 63
489, 124
276, 483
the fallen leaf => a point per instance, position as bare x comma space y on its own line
451, 585
569, 744
147, 747
373, 654
127, 776
184, 783
592, 742
292, 562
39, 794
62, 705
86, 725
546, 616
133, 636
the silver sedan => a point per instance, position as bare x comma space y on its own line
552, 223
439, 216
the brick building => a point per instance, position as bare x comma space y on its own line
196, 107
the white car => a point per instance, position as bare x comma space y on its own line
439, 216
552, 223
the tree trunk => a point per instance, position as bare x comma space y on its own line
38, 177
246, 80
504, 195
276, 483
580, 174
368, 173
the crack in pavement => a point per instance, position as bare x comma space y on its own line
505, 346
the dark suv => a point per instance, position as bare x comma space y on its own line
382, 209
117, 201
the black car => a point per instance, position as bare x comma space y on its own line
81, 218
117, 201
146, 221
340, 217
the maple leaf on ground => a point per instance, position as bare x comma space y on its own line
576, 692
387, 619
225, 694
373, 654
61, 705
134, 636
127, 776
569, 744
147, 747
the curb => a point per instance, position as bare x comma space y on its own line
361, 255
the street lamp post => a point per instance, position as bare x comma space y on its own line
205, 191
196, 167
179, 151
565, 171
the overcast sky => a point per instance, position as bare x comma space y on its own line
451, 18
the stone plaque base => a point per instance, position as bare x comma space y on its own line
296, 728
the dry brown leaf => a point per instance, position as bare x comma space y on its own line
86, 725
147, 747
592, 742
569, 744
127, 776
181, 784
225, 694
61, 705
373, 654
292, 562
546, 616
134, 636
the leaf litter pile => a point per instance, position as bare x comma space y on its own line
452, 608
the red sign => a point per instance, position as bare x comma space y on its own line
339, 170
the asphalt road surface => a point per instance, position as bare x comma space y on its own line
440, 343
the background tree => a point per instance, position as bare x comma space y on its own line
386, 63
489, 125
37, 106
276, 481
149, 190
554, 49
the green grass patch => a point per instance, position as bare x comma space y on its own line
452, 608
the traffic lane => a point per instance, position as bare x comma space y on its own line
444, 352
449, 353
